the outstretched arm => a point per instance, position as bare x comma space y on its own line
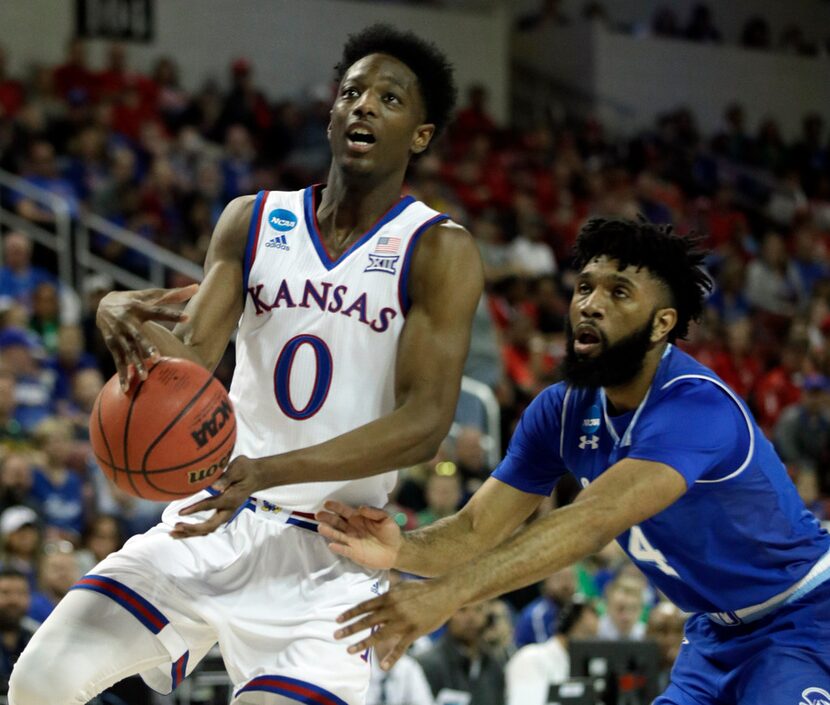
370, 537
445, 286
628, 493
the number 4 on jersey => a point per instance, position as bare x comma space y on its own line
642, 550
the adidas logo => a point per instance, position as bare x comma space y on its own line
278, 242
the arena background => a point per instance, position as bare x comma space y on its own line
115, 166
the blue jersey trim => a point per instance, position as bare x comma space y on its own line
253, 239
178, 670
403, 282
310, 209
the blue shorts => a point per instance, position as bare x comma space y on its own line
782, 659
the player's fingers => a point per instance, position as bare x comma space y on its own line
378, 635
201, 506
328, 520
184, 531
139, 348
120, 358
177, 295
160, 313
373, 513
398, 650
343, 510
373, 605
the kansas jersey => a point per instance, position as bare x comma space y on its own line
738, 542
318, 338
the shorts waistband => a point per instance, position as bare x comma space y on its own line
268, 510
817, 575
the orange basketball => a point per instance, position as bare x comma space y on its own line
167, 437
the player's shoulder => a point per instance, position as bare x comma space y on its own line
447, 238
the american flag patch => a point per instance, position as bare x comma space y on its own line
387, 245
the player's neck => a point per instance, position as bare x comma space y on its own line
349, 207
627, 397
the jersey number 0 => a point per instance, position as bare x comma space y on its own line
322, 378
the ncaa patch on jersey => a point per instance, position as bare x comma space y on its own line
590, 422
282, 220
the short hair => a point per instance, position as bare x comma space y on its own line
8, 572
571, 612
676, 261
429, 64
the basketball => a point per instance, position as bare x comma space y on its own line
168, 436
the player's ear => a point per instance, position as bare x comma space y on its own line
664, 320
421, 138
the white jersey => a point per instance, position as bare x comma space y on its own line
318, 338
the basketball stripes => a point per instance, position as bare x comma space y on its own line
129, 599
301, 691
179, 670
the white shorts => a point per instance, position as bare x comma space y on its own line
265, 587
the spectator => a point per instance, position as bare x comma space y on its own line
34, 385
625, 600
534, 668
773, 284
12, 434
18, 277
46, 315
69, 359
171, 99
102, 536
756, 34
665, 626
42, 172
473, 118
58, 490
470, 458
779, 387
701, 27
460, 665
530, 255
238, 162
12, 94
16, 629
728, 303
58, 571
807, 484
443, 494
74, 76
738, 364
802, 433
86, 386
537, 621
498, 630
20, 536
16, 476
664, 22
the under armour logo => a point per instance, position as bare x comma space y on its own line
591, 442
815, 696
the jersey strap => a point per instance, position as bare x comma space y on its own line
253, 239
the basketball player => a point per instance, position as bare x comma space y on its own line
672, 465
356, 306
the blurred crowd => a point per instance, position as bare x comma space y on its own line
146, 154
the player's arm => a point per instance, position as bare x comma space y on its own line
371, 537
628, 493
128, 319
446, 282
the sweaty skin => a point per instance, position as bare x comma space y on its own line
378, 94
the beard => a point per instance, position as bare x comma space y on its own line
614, 366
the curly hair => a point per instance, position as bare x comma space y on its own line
676, 261
424, 59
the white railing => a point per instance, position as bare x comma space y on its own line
58, 241
492, 412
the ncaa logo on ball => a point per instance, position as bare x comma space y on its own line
212, 425
282, 220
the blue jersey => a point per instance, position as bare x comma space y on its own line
740, 538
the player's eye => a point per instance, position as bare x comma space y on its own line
349, 92
621, 293
391, 98
583, 288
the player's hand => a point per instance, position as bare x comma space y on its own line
366, 535
398, 617
240, 480
120, 317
